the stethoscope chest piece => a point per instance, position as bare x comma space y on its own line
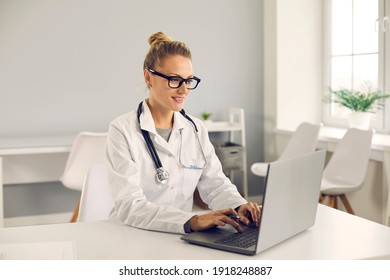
162, 176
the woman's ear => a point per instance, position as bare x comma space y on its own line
147, 78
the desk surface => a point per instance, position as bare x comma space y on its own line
336, 235
35, 145
63, 142
380, 142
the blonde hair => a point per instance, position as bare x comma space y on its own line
162, 46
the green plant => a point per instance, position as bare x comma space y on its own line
206, 116
365, 100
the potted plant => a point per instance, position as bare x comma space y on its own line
362, 103
206, 117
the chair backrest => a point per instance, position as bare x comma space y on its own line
88, 148
302, 141
96, 198
349, 161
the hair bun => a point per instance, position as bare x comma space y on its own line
158, 37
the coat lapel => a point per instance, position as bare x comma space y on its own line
179, 122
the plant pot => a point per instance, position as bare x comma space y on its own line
360, 120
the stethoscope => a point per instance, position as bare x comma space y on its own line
162, 175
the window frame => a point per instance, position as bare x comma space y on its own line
386, 63
383, 122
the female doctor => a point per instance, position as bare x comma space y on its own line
157, 155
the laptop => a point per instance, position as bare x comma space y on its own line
292, 189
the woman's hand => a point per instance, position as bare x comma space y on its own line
249, 211
214, 219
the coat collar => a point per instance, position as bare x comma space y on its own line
147, 123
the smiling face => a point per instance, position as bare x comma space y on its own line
163, 98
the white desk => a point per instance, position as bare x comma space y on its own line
336, 235
21, 157
32, 160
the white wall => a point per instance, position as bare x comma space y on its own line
72, 65
292, 66
69, 65
270, 78
299, 62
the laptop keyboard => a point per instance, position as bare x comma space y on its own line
244, 239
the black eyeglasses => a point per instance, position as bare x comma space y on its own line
177, 81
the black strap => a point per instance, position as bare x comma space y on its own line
148, 140
188, 118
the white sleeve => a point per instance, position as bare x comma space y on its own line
214, 187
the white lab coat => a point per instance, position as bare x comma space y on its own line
139, 200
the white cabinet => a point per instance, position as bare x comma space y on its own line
236, 128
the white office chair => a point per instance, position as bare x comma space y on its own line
302, 141
346, 169
88, 148
96, 200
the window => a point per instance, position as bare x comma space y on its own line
354, 53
